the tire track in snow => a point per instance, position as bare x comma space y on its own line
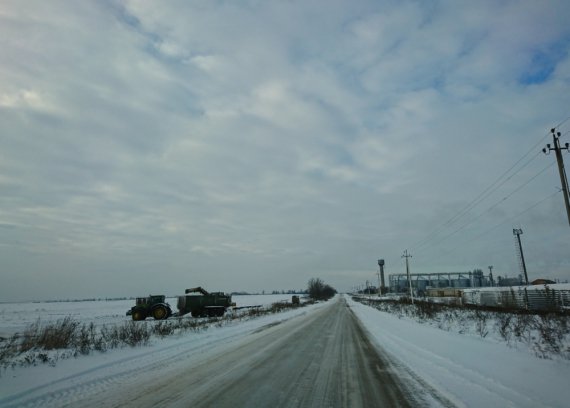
68, 390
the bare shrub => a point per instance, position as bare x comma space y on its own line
109, 337
481, 323
191, 325
86, 338
30, 336
164, 328
522, 327
279, 307
255, 312
134, 334
552, 330
446, 320
58, 335
503, 326
8, 349
427, 310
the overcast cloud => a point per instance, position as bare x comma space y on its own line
251, 145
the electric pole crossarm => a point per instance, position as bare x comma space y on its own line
563, 179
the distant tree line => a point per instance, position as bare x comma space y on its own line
273, 292
287, 292
107, 299
318, 290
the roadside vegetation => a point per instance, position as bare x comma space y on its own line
547, 334
47, 343
318, 290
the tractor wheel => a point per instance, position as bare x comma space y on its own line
195, 313
138, 315
160, 313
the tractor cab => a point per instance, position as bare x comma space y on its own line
153, 306
150, 300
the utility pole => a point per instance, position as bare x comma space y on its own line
406, 255
563, 179
518, 233
379, 288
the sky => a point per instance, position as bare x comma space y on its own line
148, 147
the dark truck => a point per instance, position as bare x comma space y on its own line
201, 304
204, 304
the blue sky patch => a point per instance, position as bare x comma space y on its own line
540, 69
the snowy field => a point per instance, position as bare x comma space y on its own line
15, 317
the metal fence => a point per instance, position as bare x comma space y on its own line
536, 297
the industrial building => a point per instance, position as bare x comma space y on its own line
422, 281
476, 288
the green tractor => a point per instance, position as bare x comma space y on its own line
154, 305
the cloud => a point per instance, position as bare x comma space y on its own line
256, 145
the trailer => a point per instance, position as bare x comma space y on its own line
201, 303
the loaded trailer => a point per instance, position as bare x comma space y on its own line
204, 304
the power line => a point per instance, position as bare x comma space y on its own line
482, 198
508, 220
485, 193
563, 122
494, 205
521, 186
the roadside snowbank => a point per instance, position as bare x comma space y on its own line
470, 371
